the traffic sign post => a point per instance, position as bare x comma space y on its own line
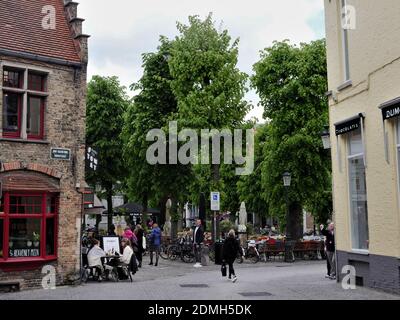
215, 206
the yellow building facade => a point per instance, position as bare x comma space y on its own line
363, 52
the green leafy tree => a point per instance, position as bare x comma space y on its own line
152, 108
207, 84
249, 187
106, 104
291, 82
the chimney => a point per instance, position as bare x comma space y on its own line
75, 25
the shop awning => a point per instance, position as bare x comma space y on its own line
390, 109
348, 125
132, 208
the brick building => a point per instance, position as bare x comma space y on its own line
43, 61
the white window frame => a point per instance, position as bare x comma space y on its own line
350, 217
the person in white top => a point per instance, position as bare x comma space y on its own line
94, 256
127, 251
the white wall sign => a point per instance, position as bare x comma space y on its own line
215, 197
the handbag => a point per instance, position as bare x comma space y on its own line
144, 243
223, 269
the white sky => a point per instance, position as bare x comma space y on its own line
121, 30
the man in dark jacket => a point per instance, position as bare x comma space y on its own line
330, 247
198, 238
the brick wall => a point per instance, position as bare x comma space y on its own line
64, 128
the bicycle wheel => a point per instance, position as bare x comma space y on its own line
164, 252
85, 275
253, 256
172, 253
188, 257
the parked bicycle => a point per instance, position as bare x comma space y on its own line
250, 252
182, 249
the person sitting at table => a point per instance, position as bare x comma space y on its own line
94, 256
127, 252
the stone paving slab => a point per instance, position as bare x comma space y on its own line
302, 280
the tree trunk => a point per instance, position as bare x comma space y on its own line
295, 220
145, 200
163, 209
110, 210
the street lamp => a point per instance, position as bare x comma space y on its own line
326, 138
287, 179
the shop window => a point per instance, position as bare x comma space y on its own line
25, 204
50, 236
1, 237
34, 127
51, 204
13, 78
28, 226
12, 114
398, 144
358, 192
24, 238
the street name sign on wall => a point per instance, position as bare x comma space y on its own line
60, 154
215, 198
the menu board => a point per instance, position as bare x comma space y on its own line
111, 245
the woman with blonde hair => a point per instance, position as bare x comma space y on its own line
230, 251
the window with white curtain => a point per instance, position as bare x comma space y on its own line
358, 192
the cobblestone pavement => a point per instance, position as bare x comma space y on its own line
175, 280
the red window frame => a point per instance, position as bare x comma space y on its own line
16, 134
42, 107
43, 216
31, 83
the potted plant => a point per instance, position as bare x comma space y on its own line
36, 239
29, 243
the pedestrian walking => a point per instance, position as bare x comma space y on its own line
130, 235
198, 238
230, 251
139, 235
155, 243
330, 248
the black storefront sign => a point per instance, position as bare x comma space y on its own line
391, 111
60, 154
348, 126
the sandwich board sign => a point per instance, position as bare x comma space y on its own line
215, 198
